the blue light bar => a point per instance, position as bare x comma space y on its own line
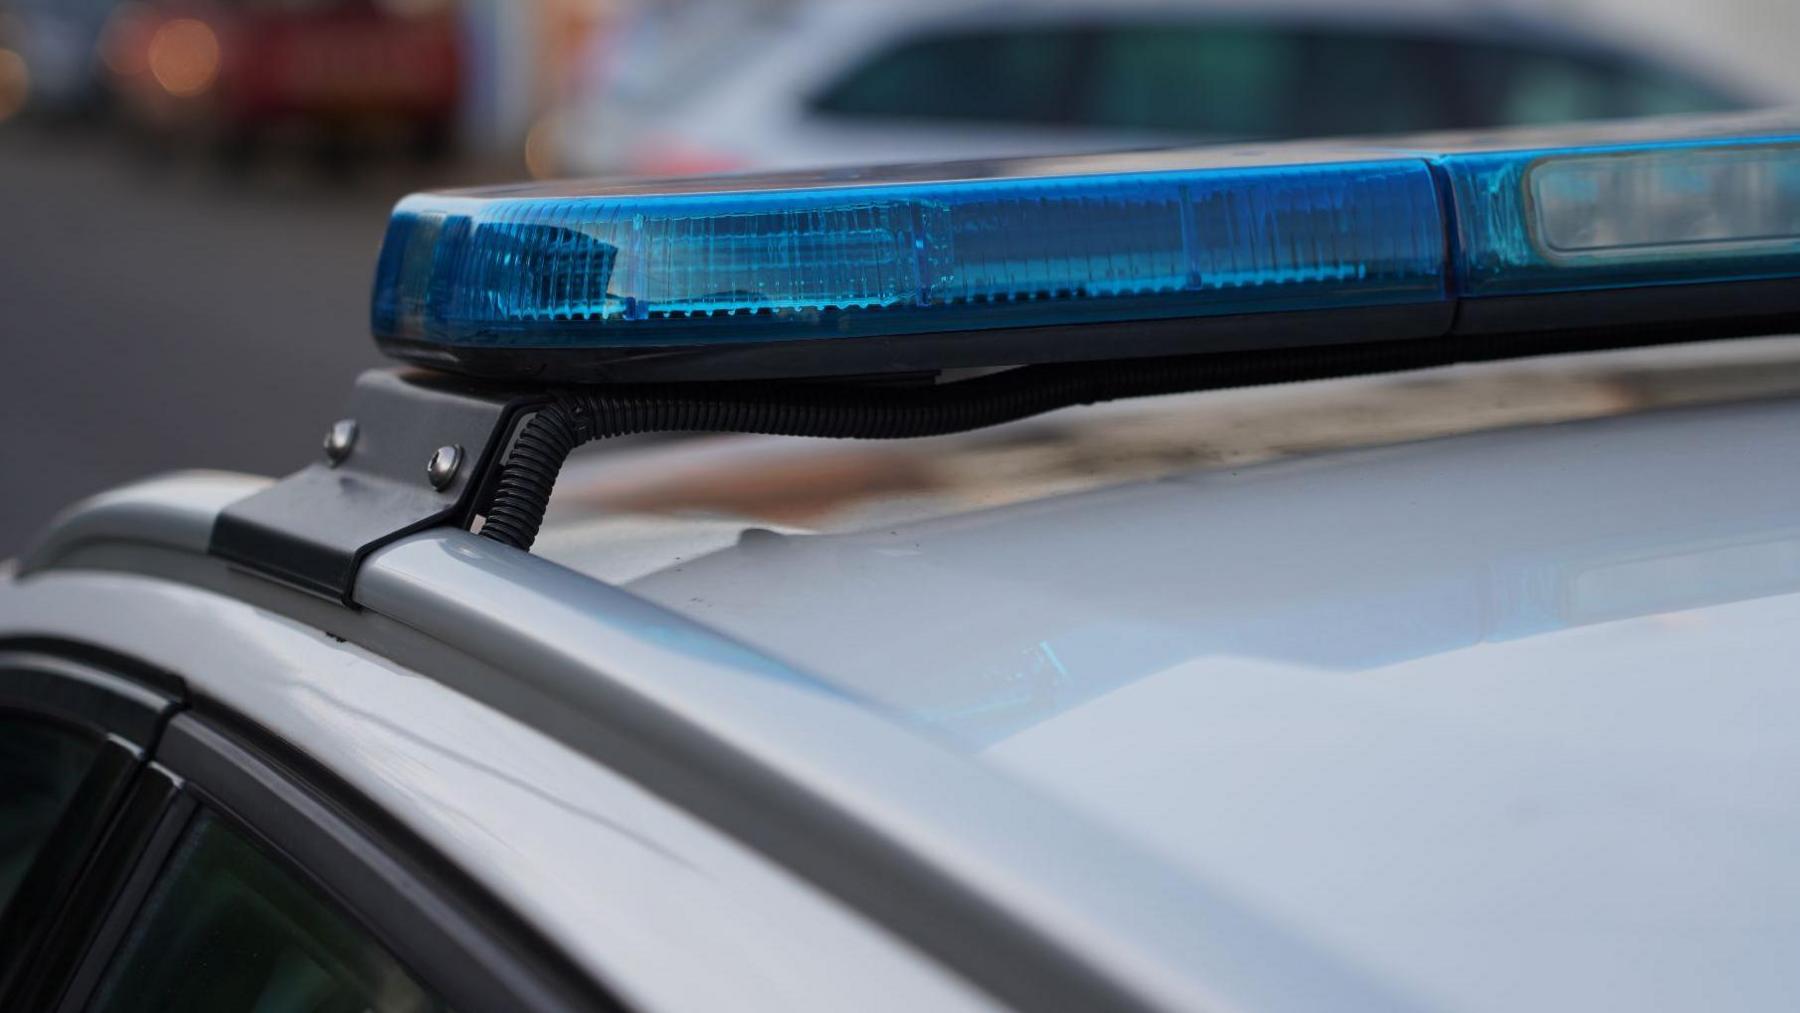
819, 257
1088, 257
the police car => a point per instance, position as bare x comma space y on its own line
1500, 720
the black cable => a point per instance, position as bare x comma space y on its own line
847, 411
861, 411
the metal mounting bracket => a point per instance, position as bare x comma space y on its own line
417, 450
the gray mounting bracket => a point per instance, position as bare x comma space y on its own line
417, 450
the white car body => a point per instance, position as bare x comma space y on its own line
1488, 721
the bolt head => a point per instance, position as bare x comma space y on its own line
443, 466
339, 440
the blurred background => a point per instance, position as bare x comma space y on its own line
192, 192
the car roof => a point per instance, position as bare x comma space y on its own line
1492, 720
632, 889
1505, 717
681, 740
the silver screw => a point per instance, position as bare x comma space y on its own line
442, 469
339, 440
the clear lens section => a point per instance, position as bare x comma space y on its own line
1667, 203
1540, 221
515, 268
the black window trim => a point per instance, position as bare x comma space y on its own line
83, 690
446, 929
116, 886
47, 682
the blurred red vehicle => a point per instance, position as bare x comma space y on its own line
239, 73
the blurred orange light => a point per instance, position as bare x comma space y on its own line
15, 83
540, 149
184, 57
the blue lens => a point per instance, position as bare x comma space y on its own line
795, 257
1397, 240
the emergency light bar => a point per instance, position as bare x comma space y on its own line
1101, 257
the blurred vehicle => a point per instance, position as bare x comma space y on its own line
239, 73
56, 44
715, 85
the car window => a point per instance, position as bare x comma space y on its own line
1017, 76
41, 765
1524, 87
1369, 83
228, 929
1204, 81
1225, 80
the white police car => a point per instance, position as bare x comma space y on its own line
1498, 721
